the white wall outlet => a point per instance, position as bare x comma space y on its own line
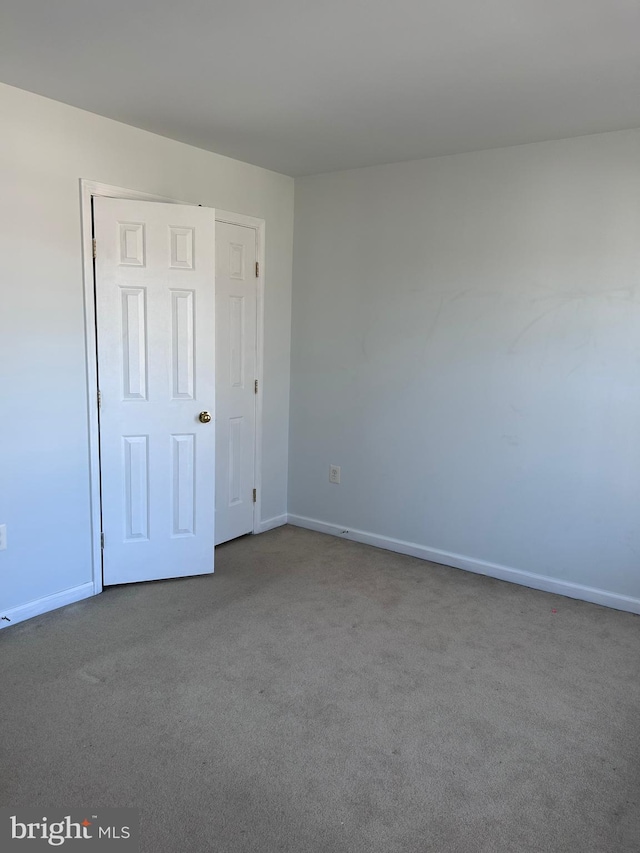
3, 537
334, 474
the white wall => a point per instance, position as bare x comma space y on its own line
45, 148
466, 345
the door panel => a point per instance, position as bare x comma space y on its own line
155, 268
236, 306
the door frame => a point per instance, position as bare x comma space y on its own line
89, 189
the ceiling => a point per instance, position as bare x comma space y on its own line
308, 86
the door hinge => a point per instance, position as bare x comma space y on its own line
257, 269
99, 399
102, 541
255, 495
255, 388
94, 248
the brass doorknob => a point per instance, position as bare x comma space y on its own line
204, 417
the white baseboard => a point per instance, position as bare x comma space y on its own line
270, 523
458, 561
44, 605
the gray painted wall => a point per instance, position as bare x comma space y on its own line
466, 345
45, 148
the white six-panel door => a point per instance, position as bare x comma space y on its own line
154, 274
236, 303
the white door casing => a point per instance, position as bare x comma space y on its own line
155, 321
236, 375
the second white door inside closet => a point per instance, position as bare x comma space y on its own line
236, 377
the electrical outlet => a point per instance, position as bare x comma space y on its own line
3, 537
334, 474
